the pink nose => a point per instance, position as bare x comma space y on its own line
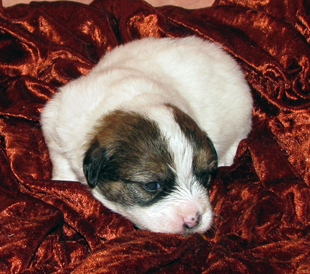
191, 221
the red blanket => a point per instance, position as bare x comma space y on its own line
261, 202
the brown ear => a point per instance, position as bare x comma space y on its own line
205, 164
214, 160
95, 161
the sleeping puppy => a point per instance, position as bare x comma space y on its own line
147, 128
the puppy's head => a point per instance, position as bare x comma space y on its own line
153, 168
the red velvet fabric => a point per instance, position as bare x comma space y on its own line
261, 202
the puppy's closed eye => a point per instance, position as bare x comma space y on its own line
152, 187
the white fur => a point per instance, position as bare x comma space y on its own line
195, 75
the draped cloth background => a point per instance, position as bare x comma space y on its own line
261, 202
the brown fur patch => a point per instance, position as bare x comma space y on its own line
135, 153
135, 139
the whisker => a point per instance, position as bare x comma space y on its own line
218, 216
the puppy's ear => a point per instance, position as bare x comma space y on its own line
94, 161
214, 161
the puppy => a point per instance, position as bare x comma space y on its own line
147, 128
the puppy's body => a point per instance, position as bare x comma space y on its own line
134, 129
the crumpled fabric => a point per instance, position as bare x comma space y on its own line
261, 202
